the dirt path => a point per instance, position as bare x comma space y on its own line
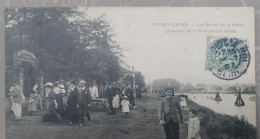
141, 125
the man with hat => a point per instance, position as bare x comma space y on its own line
116, 99
94, 90
169, 114
110, 95
84, 101
72, 109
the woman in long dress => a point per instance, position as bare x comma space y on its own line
51, 114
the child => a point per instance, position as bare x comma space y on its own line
125, 106
193, 125
183, 102
32, 104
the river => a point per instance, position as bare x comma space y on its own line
227, 105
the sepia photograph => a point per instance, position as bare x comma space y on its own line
130, 73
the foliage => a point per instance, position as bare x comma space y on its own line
161, 83
139, 79
219, 126
66, 41
188, 88
128, 80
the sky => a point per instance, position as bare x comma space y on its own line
160, 42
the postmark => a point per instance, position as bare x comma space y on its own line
227, 58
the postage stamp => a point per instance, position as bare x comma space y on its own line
227, 58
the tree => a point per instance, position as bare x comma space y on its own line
128, 80
161, 83
66, 42
139, 79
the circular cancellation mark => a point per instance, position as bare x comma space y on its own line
227, 58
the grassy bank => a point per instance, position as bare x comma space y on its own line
220, 126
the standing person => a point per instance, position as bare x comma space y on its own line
138, 93
17, 99
83, 103
51, 114
72, 109
63, 96
110, 95
125, 106
130, 95
38, 96
183, 102
32, 107
193, 125
116, 99
169, 114
57, 90
94, 91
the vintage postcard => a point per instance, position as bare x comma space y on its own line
132, 73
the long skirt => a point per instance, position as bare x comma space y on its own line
17, 109
51, 114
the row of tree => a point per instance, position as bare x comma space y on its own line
66, 42
160, 84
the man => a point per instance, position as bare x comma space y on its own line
39, 98
130, 95
83, 103
116, 99
17, 100
94, 91
59, 96
110, 95
138, 93
168, 114
72, 109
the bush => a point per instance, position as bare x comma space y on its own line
219, 126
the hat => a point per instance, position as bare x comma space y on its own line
11, 89
82, 82
57, 82
61, 81
49, 84
169, 85
124, 85
61, 86
124, 96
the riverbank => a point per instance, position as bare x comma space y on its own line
220, 126
142, 124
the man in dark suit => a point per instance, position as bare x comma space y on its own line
84, 101
110, 94
72, 109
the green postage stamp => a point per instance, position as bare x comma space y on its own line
227, 58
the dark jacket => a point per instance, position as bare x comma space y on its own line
170, 109
84, 98
110, 93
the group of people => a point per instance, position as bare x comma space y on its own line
170, 115
122, 98
71, 101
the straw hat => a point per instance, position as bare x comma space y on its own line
49, 84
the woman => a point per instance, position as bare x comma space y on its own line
51, 114
17, 99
